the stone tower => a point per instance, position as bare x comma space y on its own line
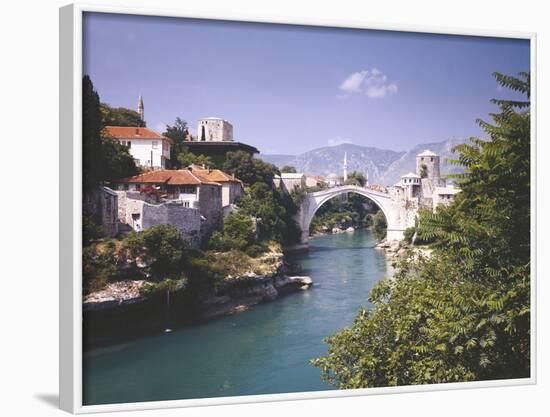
140, 108
428, 166
214, 129
345, 166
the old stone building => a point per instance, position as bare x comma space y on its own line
425, 188
214, 129
181, 189
232, 188
215, 139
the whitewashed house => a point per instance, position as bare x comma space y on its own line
149, 148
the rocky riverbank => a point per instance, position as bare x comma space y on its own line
399, 249
245, 292
245, 283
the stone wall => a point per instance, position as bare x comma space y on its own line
101, 204
129, 202
210, 206
186, 220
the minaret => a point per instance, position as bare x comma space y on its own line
140, 108
367, 181
345, 166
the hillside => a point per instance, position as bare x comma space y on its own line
383, 166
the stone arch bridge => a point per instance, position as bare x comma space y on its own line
399, 214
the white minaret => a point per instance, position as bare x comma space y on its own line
140, 108
345, 166
367, 181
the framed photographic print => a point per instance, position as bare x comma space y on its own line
267, 210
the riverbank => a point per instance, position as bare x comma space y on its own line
399, 249
126, 308
265, 350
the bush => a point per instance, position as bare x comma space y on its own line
379, 226
90, 229
164, 245
408, 234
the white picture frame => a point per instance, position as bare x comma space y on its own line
70, 153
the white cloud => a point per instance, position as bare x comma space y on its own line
373, 83
338, 141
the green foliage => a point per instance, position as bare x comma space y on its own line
99, 266
166, 285
261, 203
104, 159
120, 116
429, 325
177, 132
248, 169
91, 230
379, 225
186, 158
288, 169
464, 313
356, 178
164, 246
408, 234
91, 135
238, 233
116, 162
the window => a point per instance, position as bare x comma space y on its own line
129, 144
187, 189
155, 144
186, 203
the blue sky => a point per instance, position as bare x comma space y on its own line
290, 89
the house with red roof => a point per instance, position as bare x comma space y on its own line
149, 148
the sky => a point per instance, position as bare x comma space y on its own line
290, 89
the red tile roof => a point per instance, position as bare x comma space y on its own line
130, 132
215, 175
169, 177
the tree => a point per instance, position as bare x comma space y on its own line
262, 204
177, 132
120, 116
356, 178
379, 225
463, 313
238, 233
248, 169
91, 135
288, 169
186, 158
116, 161
104, 159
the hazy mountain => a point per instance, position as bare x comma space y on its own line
407, 162
383, 166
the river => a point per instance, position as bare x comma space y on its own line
262, 351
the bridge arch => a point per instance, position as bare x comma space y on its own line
313, 201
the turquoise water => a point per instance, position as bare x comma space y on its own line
262, 351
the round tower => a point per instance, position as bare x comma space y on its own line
428, 165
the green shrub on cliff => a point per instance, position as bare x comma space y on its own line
163, 246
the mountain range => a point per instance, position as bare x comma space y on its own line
383, 166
